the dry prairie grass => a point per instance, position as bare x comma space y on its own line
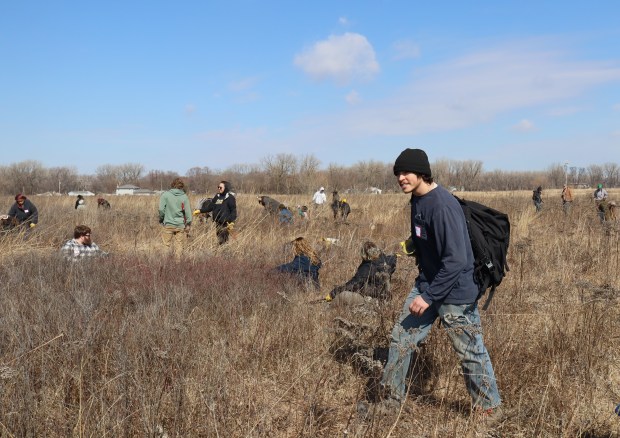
217, 345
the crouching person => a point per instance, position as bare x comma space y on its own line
372, 278
81, 246
305, 265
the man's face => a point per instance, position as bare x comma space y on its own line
220, 188
408, 182
20, 201
85, 239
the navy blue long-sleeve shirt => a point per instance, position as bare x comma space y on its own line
443, 250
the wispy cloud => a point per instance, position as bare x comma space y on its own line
344, 21
524, 126
341, 58
353, 98
564, 111
405, 49
243, 85
477, 87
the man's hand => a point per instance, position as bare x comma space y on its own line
32, 225
196, 212
418, 306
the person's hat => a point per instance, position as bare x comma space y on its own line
600, 186
19, 196
613, 203
412, 160
322, 189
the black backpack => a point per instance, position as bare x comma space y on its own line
489, 233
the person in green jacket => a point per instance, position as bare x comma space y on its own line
175, 214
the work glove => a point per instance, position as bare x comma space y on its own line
328, 298
196, 212
32, 225
407, 247
230, 226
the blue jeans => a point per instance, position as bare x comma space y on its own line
462, 323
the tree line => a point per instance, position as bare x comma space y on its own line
291, 174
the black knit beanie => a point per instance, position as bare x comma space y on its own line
412, 160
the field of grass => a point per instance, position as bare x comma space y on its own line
215, 344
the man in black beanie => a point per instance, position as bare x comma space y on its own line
444, 289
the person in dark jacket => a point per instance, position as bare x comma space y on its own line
306, 263
270, 204
373, 275
24, 211
444, 289
223, 210
537, 198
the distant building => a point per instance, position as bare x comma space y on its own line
130, 189
143, 192
127, 189
80, 192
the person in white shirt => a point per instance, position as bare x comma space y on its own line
319, 197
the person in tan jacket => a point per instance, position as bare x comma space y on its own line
567, 199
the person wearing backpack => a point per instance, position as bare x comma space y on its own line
444, 289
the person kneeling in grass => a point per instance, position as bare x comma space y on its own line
81, 246
306, 263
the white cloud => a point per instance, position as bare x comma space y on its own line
524, 126
353, 98
405, 49
243, 85
344, 21
342, 58
476, 88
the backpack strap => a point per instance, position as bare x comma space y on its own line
487, 302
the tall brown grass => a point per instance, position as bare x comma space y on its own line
216, 344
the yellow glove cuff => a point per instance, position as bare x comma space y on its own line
32, 225
196, 212
407, 244
328, 298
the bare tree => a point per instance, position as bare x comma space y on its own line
280, 171
62, 179
441, 172
25, 176
308, 172
107, 178
595, 174
470, 170
201, 179
611, 172
129, 173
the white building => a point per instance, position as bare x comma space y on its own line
126, 189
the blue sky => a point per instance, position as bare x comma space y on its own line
519, 85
